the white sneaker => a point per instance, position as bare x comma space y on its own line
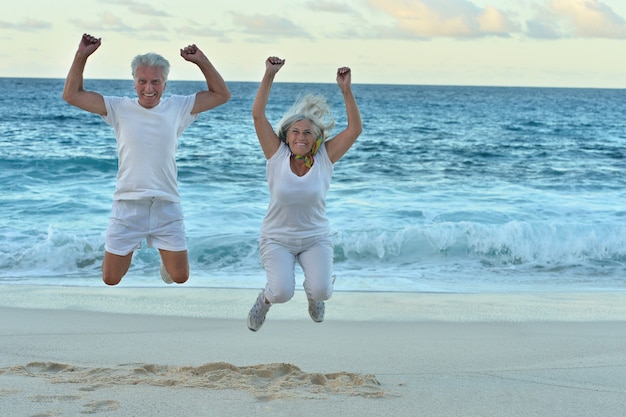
165, 275
316, 310
256, 317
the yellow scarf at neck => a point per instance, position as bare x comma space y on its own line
309, 157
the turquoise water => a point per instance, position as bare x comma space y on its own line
448, 188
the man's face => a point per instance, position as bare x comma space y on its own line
149, 85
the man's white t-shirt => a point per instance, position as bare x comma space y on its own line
297, 207
147, 140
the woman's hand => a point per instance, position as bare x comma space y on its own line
273, 64
344, 77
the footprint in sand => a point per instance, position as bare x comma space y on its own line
101, 407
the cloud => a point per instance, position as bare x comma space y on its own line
137, 7
108, 22
154, 26
26, 25
542, 28
576, 18
329, 6
269, 26
203, 31
445, 18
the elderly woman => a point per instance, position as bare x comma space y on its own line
300, 163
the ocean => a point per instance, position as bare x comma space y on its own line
448, 189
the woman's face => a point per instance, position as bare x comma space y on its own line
300, 137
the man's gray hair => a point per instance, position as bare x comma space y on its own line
151, 60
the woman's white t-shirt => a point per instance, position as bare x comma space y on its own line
297, 207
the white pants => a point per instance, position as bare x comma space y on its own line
315, 256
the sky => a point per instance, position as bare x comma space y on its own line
541, 43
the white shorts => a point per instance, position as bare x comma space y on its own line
160, 222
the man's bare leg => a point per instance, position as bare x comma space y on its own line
114, 267
176, 264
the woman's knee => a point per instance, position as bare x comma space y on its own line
318, 291
278, 295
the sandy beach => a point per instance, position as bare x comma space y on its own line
184, 351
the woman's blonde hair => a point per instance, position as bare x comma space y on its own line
311, 107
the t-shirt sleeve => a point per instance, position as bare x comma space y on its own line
112, 104
186, 105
